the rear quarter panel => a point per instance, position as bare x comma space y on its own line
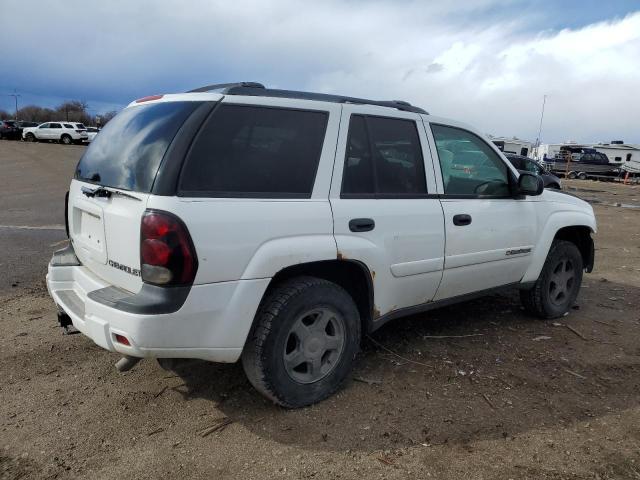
248, 238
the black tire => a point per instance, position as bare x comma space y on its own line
549, 298
264, 357
30, 137
582, 176
66, 139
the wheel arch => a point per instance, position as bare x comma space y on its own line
352, 275
575, 227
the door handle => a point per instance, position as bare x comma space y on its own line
462, 219
361, 224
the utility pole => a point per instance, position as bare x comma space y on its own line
544, 100
15, 96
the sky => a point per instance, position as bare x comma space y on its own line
484, 62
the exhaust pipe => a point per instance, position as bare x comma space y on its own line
126, 363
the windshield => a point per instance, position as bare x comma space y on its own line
130, 148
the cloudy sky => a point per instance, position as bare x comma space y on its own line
485, 62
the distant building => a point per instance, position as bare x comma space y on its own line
513, 145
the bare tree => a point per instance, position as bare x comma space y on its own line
105, 117
4, 115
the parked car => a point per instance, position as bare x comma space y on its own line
9, 130
91, 133
526, 164
63, 132
278, 228
22, 124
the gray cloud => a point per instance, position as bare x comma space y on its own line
457, 59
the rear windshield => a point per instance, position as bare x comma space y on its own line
129, 149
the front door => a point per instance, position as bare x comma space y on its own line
42, 133
384, 208
490, 234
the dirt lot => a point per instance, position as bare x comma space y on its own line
505, 396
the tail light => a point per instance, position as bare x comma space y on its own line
167, 254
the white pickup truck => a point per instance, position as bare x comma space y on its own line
279, 227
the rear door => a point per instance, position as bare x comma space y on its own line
384, 208
54, 132
111, 188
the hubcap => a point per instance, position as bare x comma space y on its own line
561, 282
314, 345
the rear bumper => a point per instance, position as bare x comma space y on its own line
211, 324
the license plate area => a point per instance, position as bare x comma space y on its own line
88, 231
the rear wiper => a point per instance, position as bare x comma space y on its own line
102, 192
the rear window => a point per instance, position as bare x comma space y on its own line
255, 152
130, 148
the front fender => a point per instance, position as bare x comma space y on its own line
555, 222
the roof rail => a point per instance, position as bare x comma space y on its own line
258, 90
323, 97
225, 86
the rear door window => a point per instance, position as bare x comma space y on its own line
383, 158
130, 148
254, 151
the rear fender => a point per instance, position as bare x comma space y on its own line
280, 253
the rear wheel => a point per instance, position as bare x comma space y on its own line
572, 175
66, 139
302, 346
582, 176
558, 285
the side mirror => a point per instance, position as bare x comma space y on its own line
530, 184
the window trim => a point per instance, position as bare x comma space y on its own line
377, 195
180, 192
511, 180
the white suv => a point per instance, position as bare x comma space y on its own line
63, 132
279, 227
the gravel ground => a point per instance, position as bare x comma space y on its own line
503, 396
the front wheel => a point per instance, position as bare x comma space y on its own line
303, 343
558, 285
30, 137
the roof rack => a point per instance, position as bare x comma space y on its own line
258, 90
226, 86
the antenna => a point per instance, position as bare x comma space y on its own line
544, 100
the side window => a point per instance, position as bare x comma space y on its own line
55, 125
255, 152
68, 125
44, 125
469, 166
357, 177
383, 157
